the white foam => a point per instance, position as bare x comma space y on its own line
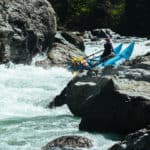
27, 90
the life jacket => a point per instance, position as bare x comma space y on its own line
84, 63
76, 61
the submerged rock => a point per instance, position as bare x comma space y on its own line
111, 100
140, 140
68, 143
26, 28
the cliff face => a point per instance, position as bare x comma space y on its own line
26, 27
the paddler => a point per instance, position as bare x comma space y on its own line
108, 50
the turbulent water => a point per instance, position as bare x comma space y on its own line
25, 91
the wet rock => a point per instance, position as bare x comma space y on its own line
74, 39
88, 35
69, 143
100, 33
104, 33
140, 62
62, 51
140, 140
46, 63
147, 44
61, 54
110, 100
26, 28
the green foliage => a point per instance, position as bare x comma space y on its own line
82, 7
89, 13
117, 10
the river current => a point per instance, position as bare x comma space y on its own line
25, 91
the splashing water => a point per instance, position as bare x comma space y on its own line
25, 121
26, 90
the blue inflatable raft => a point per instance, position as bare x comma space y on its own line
97, 61
121, 57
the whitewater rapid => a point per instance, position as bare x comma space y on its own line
25, 91
25, 121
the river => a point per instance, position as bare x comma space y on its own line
25, 91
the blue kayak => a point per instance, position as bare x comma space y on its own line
118, 59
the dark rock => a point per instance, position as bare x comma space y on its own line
68, 143
140, 62
74, 39
104, 33
61, 54
59, 100
140, 140
111, 100
99, 33
26, 28
147, 44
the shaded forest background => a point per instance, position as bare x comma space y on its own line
128, 17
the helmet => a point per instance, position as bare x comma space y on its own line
107, 39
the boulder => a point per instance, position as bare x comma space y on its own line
100, 33
110, 100
69, 143
26, 28
63, 50
140, 140
104, 33
72, 38
61, 54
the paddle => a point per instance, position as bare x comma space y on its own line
93, 54
83, 58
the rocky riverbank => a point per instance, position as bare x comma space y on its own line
111, 100
26, 28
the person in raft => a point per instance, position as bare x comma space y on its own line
108, 50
